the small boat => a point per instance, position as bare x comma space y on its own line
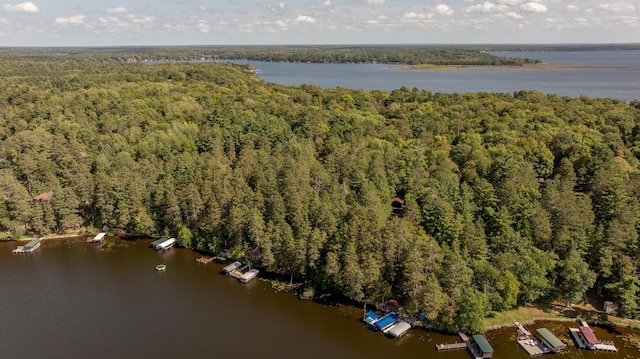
161, 267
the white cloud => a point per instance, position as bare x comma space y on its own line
73, 20
281, 24
572, 8
281, 6
534, 7
618, 7
117, 10
510, 2
484, 7
411, 15
204, 28
305, 19
444, 10
327, 3
514, 15
25, 7
372, 2
4, 21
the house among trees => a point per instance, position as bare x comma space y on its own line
610, 307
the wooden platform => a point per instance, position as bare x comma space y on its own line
205, 260
528, 342
606, 346
452, 346
472, 349
577, 337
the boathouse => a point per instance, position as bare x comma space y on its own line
589, 336
550, 340
486, 350
163, 243
29, 247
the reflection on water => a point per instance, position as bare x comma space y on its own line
107, 300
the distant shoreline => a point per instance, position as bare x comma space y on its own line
533, 67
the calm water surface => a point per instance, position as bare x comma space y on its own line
616, 75
71, 299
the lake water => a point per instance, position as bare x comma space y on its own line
616, 75
71, 299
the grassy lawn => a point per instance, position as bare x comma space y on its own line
555, 312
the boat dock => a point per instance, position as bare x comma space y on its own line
248, 275
385, 322
239, 271
474, 347
577, 337
606, 346
475, 351
585, 338
163, 243
398, 329
30, 247
452, 346
205, 260
550, 340
528, 342
232, 267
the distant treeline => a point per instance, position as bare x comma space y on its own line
456, 205
405, 55
556, 47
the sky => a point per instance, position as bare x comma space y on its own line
306, 22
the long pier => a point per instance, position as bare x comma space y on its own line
452, 346
466, 343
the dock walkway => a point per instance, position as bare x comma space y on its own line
205, 260
529, 342
474, 351
577, 337
452, 346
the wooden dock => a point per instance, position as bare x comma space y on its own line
205, 260
528, 342
453, 346
474, 351
577, 337
606, 346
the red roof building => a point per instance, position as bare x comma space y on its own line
588, 334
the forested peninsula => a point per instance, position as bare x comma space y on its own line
398, 55
456, 205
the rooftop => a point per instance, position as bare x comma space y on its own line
588, 334
483, 344
551, 339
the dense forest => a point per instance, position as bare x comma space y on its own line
456, 205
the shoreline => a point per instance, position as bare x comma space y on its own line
533, 67
560, 314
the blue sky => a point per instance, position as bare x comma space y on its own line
239, 22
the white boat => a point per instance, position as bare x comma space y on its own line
248, 275
232, 267
98, 238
